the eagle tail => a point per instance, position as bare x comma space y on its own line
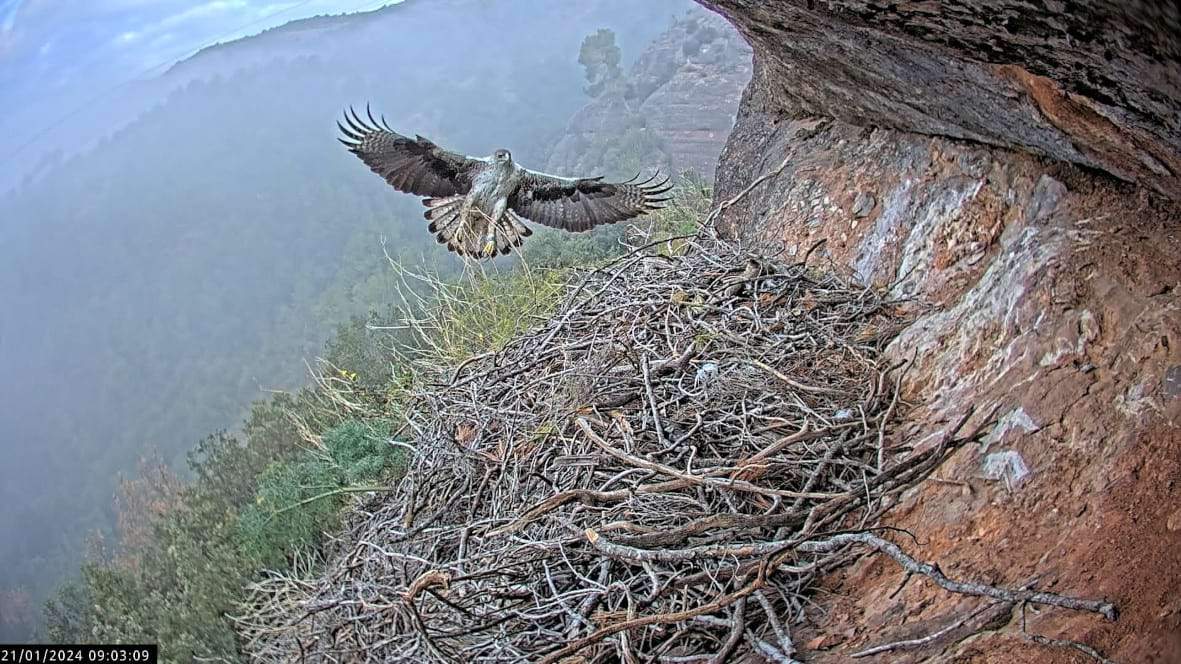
449, 227
510, 233
437, 208
444, 213
468, 239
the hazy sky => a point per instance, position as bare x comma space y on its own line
60, 59
61, 44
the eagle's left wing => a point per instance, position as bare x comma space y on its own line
578, 204
413, 165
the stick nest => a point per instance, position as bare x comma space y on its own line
653, 474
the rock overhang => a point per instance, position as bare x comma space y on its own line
1096, 84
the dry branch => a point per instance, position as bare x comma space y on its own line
1011, 595
656, 473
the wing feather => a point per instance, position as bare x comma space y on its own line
579, 204
413, 165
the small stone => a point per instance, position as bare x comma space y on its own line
863, 204
1174, 522
1088, 327
819, 643
1047, 193
974, 163
1172, 382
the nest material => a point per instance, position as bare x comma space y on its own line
654, 474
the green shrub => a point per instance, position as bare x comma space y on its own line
300, 500
479, 313
550, 248
259, 498
362, 452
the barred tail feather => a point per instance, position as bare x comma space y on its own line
438, 207
445, 224
443, 213
510, 233
469, 237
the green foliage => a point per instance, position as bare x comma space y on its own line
68, 613
230, 523
267, 535
552, 248
690, 202
480, 313
298, 501
189, 577
599, 57
366, 347
362, 452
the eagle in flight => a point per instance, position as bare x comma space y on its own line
476, 204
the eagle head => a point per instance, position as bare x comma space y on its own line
502, 157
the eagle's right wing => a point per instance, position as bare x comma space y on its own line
579, 204
413, 165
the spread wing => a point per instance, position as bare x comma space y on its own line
413, 165
578, 204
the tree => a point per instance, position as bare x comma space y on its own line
140, 503
16, 610
599, 57
69, 614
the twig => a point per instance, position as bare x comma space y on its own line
910, 644
1067, 643
1014, 595
658, 619
609, 481
328, 494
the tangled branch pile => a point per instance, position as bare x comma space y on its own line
657, 473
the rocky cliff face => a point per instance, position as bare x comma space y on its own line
1002, 173
1093, 83
673, 109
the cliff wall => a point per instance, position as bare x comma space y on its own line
1011, 175
674, 107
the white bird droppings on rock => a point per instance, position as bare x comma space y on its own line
1014, 419
1007, 465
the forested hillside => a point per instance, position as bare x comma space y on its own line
158, 283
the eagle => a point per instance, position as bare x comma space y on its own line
476, 205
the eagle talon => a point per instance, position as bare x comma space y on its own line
490, 247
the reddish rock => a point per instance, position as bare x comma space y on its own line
1095, 83
1043, 292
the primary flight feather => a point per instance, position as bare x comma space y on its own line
476, 204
